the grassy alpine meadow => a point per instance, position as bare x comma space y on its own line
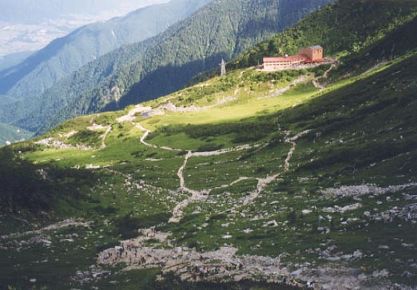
254, 180
136, 180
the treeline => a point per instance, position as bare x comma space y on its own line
342, 28
168, 62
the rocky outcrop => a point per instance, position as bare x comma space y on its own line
364, 190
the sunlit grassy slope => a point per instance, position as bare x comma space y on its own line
359, 130
362, 132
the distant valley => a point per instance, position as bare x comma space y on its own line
133, 73
292, 166
29, 25
10, 134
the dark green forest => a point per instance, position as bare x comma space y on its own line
163, 64
343, 28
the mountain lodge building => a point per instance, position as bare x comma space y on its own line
308, 55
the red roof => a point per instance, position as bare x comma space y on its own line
292, 58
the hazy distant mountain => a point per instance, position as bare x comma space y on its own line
13, 59
294, 179
67, 54
29, 25
10, 134
165, 63
36, 11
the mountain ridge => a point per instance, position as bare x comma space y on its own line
294, 179
149, 68
67, 54
10, 134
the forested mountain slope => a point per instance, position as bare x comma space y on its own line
166, 63
65, 55
343, 28
300, 179
12, 134
13, 59
36, 11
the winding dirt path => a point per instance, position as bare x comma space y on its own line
104, 137
53, 227
199, 195
281, 91
264, 182
293, 142
136, 254
316, 82
180, 172
145, 135
202, 195
196, 195
223, 264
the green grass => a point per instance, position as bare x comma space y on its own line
362, 131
